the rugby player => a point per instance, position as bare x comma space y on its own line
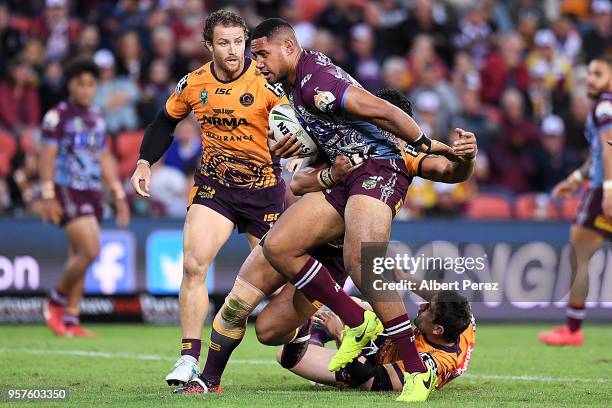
345, 120
238, 183
74, 160
593, 224
445, 338
280, 320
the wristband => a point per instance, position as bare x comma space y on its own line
325, 178
577, 176
143, 161
47, 190
422, 140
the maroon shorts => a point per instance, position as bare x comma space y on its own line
386, 180
590, 212
78, 203
252, 211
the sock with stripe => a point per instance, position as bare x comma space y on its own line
400, 332
315, 282
222, 344
191, 347
57, 298
574, 317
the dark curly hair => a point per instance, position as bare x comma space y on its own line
227, 19
452, 311
79, 66
395, 97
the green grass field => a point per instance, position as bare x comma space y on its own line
125, 367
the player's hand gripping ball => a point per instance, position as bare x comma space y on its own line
284, 124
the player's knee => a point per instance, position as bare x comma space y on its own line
265, 332
238, 305
90, 251
195, 266
273, 247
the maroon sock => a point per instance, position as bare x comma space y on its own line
70, 319
402, 335
191, 347
575, 317
315, 282
57, 298
219, 353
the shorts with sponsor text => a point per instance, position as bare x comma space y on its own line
251, 210
386, 180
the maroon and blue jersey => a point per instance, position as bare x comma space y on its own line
598, 121
318, 98
80, 135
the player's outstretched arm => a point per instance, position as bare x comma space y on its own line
319, 176
157, 139
363, 104
111, 178
437, 168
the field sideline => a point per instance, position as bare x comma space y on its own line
126, 365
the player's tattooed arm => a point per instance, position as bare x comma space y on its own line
441, 169
319, 175
110, 175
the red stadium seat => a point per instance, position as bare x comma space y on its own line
127, 145
8, 147
525, 208
489, 207
569, 208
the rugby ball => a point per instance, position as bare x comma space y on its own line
283, 121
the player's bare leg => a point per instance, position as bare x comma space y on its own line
585, 242
309, 223
83, 235
369, 220
204, 233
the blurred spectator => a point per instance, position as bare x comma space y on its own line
115, 96
186, 149
598, 38
19, 98
395, 74
568, 38
422, 58
428, 116
155, 91
187, 28
55, 29
539, 93
421, 21
130, 57
473, 117
339, 17
51, 89
558, 69
34, 54
464, 74
365, 64
164, 47
386, 18
11, 39
504, 68
553, 161
579, 108
88, 42
528, 23
475, 34
511, 162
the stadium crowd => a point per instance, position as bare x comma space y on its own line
512, 71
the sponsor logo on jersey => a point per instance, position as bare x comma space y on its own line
224, 123
247, 99
223, 91
369, 184
324, 100
206, 192
305, 79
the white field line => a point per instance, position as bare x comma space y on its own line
159, 357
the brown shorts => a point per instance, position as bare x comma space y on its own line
591, 215
78, 203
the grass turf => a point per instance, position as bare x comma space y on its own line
125, 367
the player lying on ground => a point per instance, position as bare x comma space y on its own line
593, 225
445, 339
238, 183
74, 159
345, 120
278, 322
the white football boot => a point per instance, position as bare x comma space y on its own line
185, 370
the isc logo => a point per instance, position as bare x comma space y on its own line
223, 91
14, 273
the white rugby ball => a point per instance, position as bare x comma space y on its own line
283, 121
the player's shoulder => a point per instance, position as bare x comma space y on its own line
54, 116
602, 109
194, 78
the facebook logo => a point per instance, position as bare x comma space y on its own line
165, 263
113, 271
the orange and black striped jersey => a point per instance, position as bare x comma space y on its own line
233, 117
447, 362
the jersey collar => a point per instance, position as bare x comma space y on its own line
247, 64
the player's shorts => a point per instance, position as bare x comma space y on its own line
252, 211
591, 215
78, 203
386, 180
